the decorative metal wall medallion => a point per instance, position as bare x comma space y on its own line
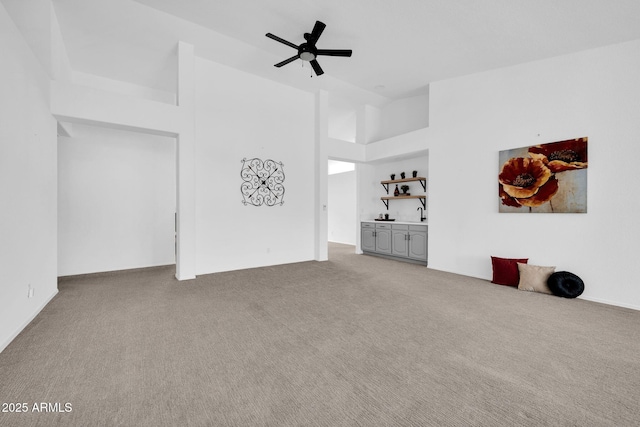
262, 182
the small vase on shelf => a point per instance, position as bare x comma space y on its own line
415, 174
393, 176
396, 192
402, 175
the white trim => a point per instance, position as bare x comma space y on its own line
616, 304
321, 175
341, 243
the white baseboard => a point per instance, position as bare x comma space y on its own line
617, 304
342, 243
26, 323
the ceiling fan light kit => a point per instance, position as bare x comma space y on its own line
307, 56
307, 51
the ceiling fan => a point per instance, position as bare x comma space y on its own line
307, 51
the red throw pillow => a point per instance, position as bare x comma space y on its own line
505, 270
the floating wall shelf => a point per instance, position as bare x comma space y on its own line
422, 197
422, 180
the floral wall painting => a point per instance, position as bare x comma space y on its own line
262, 182
546, 178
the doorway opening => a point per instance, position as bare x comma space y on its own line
116, 200
342, 202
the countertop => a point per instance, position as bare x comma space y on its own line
396, 222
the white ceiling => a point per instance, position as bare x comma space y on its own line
399, 46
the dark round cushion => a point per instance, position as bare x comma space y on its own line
565, 284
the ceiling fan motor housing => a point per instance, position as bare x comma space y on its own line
307, 52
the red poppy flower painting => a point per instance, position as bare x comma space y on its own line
549, 178
563, 155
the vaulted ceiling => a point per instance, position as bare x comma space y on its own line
399, 46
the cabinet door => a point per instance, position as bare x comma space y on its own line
418, 245
399, 242
383, 241
368, 239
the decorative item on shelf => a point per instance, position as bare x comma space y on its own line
402, 175
396, 192
386, 216
415, 174
393, 176
380, 216
405, 188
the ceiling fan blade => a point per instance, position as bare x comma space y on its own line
316, 67
318, 28
283, 41
286, 61
334, 52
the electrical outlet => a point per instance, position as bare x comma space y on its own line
30, 292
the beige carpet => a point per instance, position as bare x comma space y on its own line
356, 340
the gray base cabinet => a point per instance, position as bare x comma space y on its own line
417, 244
404, 242
368, 237
400, 247
383, 238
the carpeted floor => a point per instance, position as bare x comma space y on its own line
356, 340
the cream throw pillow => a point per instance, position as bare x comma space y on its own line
534, 278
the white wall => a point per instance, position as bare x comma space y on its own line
27, 184
337, 166
238, 116
594, 94
116, 200
342, 208
403, 116
342, 118
124, 88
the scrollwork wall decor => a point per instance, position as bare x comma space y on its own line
262, 182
